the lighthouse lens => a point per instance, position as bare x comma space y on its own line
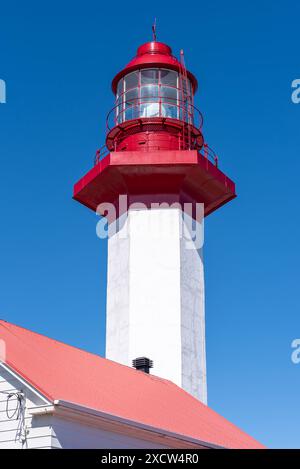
149, 101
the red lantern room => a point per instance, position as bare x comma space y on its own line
155, 149
154, 107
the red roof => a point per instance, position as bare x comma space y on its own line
152, 54
63, 372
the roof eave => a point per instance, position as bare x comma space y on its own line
119, 424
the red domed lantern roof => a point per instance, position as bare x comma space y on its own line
153, 54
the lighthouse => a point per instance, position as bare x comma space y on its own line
154, 182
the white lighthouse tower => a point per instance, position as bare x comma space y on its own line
155, 184
155, 297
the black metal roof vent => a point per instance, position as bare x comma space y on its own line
142, 364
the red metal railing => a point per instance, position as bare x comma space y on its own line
137, 108
209, 154
100, 154
206, 152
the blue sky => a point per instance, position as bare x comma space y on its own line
58, 59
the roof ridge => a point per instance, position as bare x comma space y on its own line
50, 338
149, 376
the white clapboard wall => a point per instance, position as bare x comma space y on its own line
36, 436
51, 431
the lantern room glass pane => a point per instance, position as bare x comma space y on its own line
120, 87
131, 81
119, 100
130, 113
131, 97
169, 99
153, 92
168, 77
131, 104
151, 109
149, 92
119, 114
169, 110
149, 76
168, 94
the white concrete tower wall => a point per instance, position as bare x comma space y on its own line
155, 296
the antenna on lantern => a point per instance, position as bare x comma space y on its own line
154, 30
